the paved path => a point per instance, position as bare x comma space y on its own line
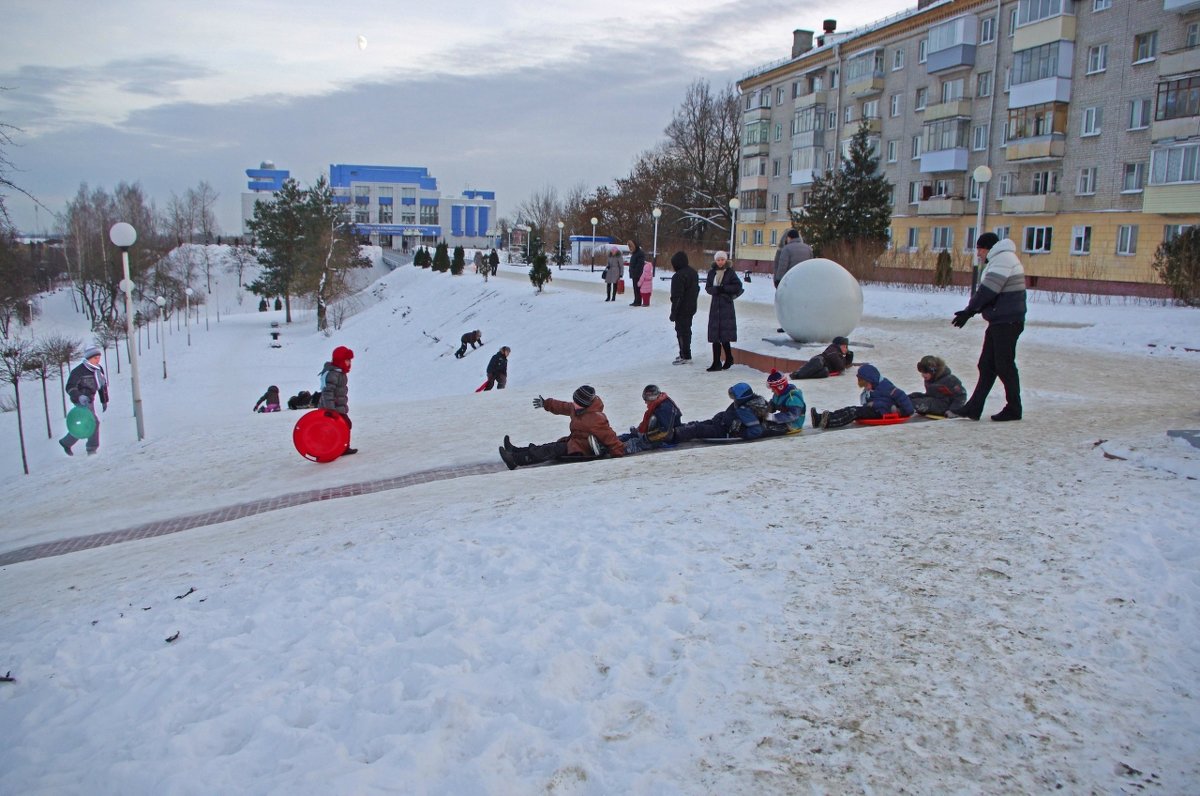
237, 511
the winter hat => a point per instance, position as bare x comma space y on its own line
92, 351
987, 240
720, 257
651, 392
740, 391
584, 395
614, 250
777, 381
869, 374
679, 260
342, 357
930, 364
839, 340
792, 233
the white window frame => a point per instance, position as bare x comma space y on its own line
1147, 41
1138, 172
953, 90
1012, 21
1037, 240
775, 167
870, 109
898, 59
1193, 36
917, 146
893, 149
1127, 235
943, 239
914, 239
969, 241
1101, 5
920, 97
979, 137
1097, 59
1081, 240
1141, 111
778, 131
922, 45
1092, 122
984, 83
987, 30
894, 105
1085, 185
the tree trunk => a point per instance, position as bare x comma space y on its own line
46, 404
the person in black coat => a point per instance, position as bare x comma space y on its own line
724, 286
86, 383
497, 369
473, 339
637, 262
685, 289
834, 359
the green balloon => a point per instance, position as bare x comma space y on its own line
81, 423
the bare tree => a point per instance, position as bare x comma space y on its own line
61, 351
16, 356
542, 209
241, 256
41, 367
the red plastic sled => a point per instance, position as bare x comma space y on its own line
321, 435
886, 420
481, 386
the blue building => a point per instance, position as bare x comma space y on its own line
264, 182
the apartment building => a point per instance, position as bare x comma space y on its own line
1085, 114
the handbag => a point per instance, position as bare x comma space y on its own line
620, 286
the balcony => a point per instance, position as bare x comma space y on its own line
804, 176
811, 138
1039, 92
751, 216
874, 125
955, 57
1175, 129
947, 110
942, 206
754, 183
1181, 6
755, 149
941, 160
1182, 197
1043, 147
1044, 31
1178, 62
810, 99
1029, 203
865, 86
757, 114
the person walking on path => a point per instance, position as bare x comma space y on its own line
724, 286
87, 383
591, 434
612, 273
473, 339
793, 252
335, 390
685, 289
497, 369
637, 264
1001, 299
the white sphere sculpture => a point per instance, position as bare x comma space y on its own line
818, 300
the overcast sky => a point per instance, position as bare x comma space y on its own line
505, 96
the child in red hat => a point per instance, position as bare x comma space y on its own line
334, 390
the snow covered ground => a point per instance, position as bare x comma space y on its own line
948, 607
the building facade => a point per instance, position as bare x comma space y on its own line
397, 207
1086, 114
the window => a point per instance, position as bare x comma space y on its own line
1193, 36
1139, 114
1036, 63
969, 241
1175, 164
1044, 182
922, 93
952, 90
385, 214
1133, 180
1005, 185
1097, 59
892, 148
894, 105
914, 238
764, 97
1081, 240
1177, 99
916, 147
775, 167
943, 238
774, 237
891, 197
429, 214
1092, 119
779, 96
921, 46
1029, 11
778, 131
983, 84
947, 134
758, 237
870, 109
749, 99
898, 59
1038, 239
1087, 181
979, 138
1037, 120
834, 76
774, 203
1145, 47
1012, 21
1127, 235
1173, 231
914, 192
1101, 5
987, 30
1007, 78
832, 120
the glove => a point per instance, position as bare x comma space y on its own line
104, 406
539, 402
961, 317
84, 400
849, 357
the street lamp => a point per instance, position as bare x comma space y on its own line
734, 204
560, 257
162, 316
123, 236
982, 175
593, 257
187, 313
657, 213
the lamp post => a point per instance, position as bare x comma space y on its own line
982, 175
657, 213
162, 317
560, 257
187, 313
593, 257
123, 236
734, 204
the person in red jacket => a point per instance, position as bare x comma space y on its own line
591, 434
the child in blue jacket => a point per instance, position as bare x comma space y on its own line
746, 418
658, 423
786, 401
879, 397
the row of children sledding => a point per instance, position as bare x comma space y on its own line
749, 416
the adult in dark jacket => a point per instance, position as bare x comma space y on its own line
793, 252
836, 357
1001, 299
637, 263
879, 397
86, 384
497, 369
588, 423
724, 286
335, 389
685, 290
943, 391
473, 339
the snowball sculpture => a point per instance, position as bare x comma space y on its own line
818, 300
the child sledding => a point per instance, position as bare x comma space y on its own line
830, 362
591, 435
880, 400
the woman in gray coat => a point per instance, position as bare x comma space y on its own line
724, 286
613, 272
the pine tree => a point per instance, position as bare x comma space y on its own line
459, 262
441, 258
1177, 263
539, 272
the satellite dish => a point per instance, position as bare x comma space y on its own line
362, 42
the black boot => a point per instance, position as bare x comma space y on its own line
507, 457
839, 418
1007, 413
508, 446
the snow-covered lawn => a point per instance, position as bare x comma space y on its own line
947, 607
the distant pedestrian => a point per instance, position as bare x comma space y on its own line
793, 252
87, 383
494, 261
613, 273
335, 391
644, 286
724, 286
479, 266
473, 339
637, 264
685, 289
497, 369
